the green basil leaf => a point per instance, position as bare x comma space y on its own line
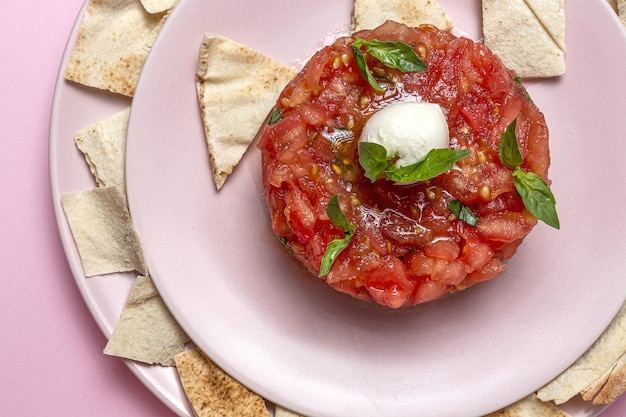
533, 190
336, 215
397, 55
361, 64
510, 154
275, 116
436, 162
374, 160
463, 212
537, 196
336, 246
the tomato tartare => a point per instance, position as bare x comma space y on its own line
408, 245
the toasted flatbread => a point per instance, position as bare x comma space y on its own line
609, 386
158, 6
590, 367
621, 11
114, 40
212, 392
527, 35
369, 14
104, 147
103, 231
530, 406
551, 15
146, 331
615, 384
237, 87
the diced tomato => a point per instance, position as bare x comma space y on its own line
476, 254
505, 227
445, 249
490, 270
408, 247
388, 284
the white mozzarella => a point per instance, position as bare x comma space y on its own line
408, 130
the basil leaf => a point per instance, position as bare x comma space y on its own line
463, 212
533, 190
333, 250
397, 55
374, 160
275, 117
361, 64
537, 196
510, 154
436, 162
336, 216
336, 246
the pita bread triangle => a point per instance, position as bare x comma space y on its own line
104, 146
513, 32
146, 331
369, 14
530, 406
212, 392
551, 14
237, 87
114, 40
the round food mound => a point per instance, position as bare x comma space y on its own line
407, 246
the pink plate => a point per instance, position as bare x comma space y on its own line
295, 341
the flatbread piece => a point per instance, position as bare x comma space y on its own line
621, 11
527, 35
104, 147
609, 386
530, 406
237, 87
146, 331
369, 14
212, 392
103, 231
114, 39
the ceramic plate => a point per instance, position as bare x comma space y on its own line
289, 337
295, 341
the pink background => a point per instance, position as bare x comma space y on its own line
51, 360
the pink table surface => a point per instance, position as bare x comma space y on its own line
51, 360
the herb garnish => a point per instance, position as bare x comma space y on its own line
275, 116
375, 161
334, 248
463, 212
396, 55
533, 190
